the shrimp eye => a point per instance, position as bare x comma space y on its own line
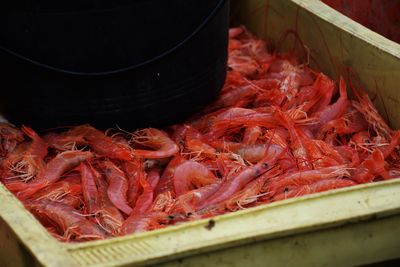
265, 165
286, 190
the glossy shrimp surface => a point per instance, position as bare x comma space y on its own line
278, 130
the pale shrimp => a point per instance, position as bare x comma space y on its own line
155, 139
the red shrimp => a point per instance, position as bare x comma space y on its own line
244, 64
10, 137
322, 154
351, 122
335, 110
164, 192
137, 223
102, 144
306, 177
238, 117
166, 181
64, 141
316, 187
365, 106
297, 144
188, 202
191, 173
107, 216
145, 200
251, 192
237, 182
156, 139
58, 191
251, 135
350, 155
251, 153
322, 91
235, 97
63, 162
117, 185
89, 188
67, 220
133, 171
374, 164
235, 32
26, 166
195, 144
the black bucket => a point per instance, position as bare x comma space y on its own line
127, 63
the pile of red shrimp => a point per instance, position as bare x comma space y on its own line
278, 130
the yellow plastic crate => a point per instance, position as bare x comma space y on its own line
344, 227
